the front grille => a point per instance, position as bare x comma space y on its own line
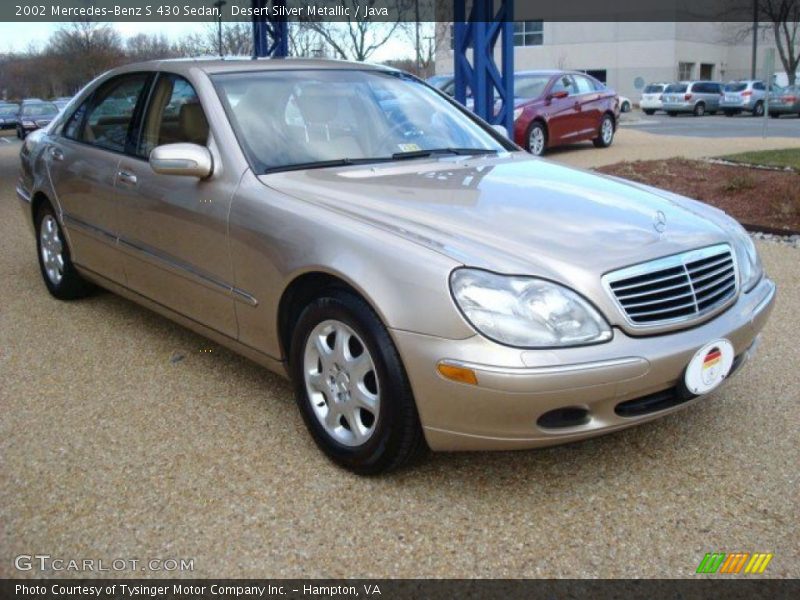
677, 288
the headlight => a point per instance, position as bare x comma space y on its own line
526, 312
750, 268
518, 113
28, 124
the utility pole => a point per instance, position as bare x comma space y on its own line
219, 4
755, 40
416, 26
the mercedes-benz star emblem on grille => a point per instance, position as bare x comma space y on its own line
660, 221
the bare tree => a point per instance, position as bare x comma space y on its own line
304, 41
143, 46
358, 38
237, 40
784, 18
82, 50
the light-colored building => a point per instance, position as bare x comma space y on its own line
627, 56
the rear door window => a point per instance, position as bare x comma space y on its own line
108, 121
583, 84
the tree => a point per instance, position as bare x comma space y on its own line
783, 17
358, 38
85, 49
237, 40
143, 46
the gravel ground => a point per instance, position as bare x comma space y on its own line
110, 448
632, 144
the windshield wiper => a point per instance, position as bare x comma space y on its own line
322, 164
437, 151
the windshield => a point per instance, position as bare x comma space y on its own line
737, 86
41, 108
676, 88
654, 89
530, 86
7, 108
299, 119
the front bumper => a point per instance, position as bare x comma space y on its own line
678, 106
516, 388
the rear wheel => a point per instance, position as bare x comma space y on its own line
649, 111
672, 113
758, 109
537, 138
351, 387
626, 107
606, 136
20, 133
55, 262
774, 115
699, 109
729, 113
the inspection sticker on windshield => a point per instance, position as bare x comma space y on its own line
709, 367
408, 147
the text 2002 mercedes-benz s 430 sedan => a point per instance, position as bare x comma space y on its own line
421, 280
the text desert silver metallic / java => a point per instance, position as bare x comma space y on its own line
422, 281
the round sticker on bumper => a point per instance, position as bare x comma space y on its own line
709, 367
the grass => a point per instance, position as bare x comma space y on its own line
789, 157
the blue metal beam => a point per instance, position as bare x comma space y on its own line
476, 35
270, 35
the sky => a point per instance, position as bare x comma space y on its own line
16, 37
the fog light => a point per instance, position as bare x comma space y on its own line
460, 374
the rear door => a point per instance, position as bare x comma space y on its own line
173, 229
82, 162
590, 109
564, 122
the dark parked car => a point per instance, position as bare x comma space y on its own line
62, 101
446, 83
558, 107
8, 115
33, 115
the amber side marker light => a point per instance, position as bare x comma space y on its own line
460, 374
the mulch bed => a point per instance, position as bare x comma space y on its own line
752, 196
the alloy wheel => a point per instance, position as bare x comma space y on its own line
341, 382
607, 131
52, 249
536, 140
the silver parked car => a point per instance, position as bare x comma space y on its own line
650, 101
743, 96
421, 280
696, 97
784, 101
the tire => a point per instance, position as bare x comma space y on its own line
20, 133
606, 133
775, 115
672, 113
387, 438
535, 144
55, 261
758, 109
699, 109
649, 111
626, 107
729, 113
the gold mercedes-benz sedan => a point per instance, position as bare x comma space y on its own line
422, 281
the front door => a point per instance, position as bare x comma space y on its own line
82, 162
173, 229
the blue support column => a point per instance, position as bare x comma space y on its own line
479, 33
270, 36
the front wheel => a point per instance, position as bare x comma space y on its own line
606, 133
649, 111
758, 110
55, 262
672, 113
699, 109
351, 386
537, 139
774, 115
626, 107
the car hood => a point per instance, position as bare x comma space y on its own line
512, 213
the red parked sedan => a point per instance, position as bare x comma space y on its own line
552, 108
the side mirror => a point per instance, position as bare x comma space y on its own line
501, 129
189, 160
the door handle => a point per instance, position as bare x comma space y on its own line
56, 153
127, 178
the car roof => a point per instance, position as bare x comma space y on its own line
238, 64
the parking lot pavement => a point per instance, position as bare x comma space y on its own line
714, 126
122, 436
